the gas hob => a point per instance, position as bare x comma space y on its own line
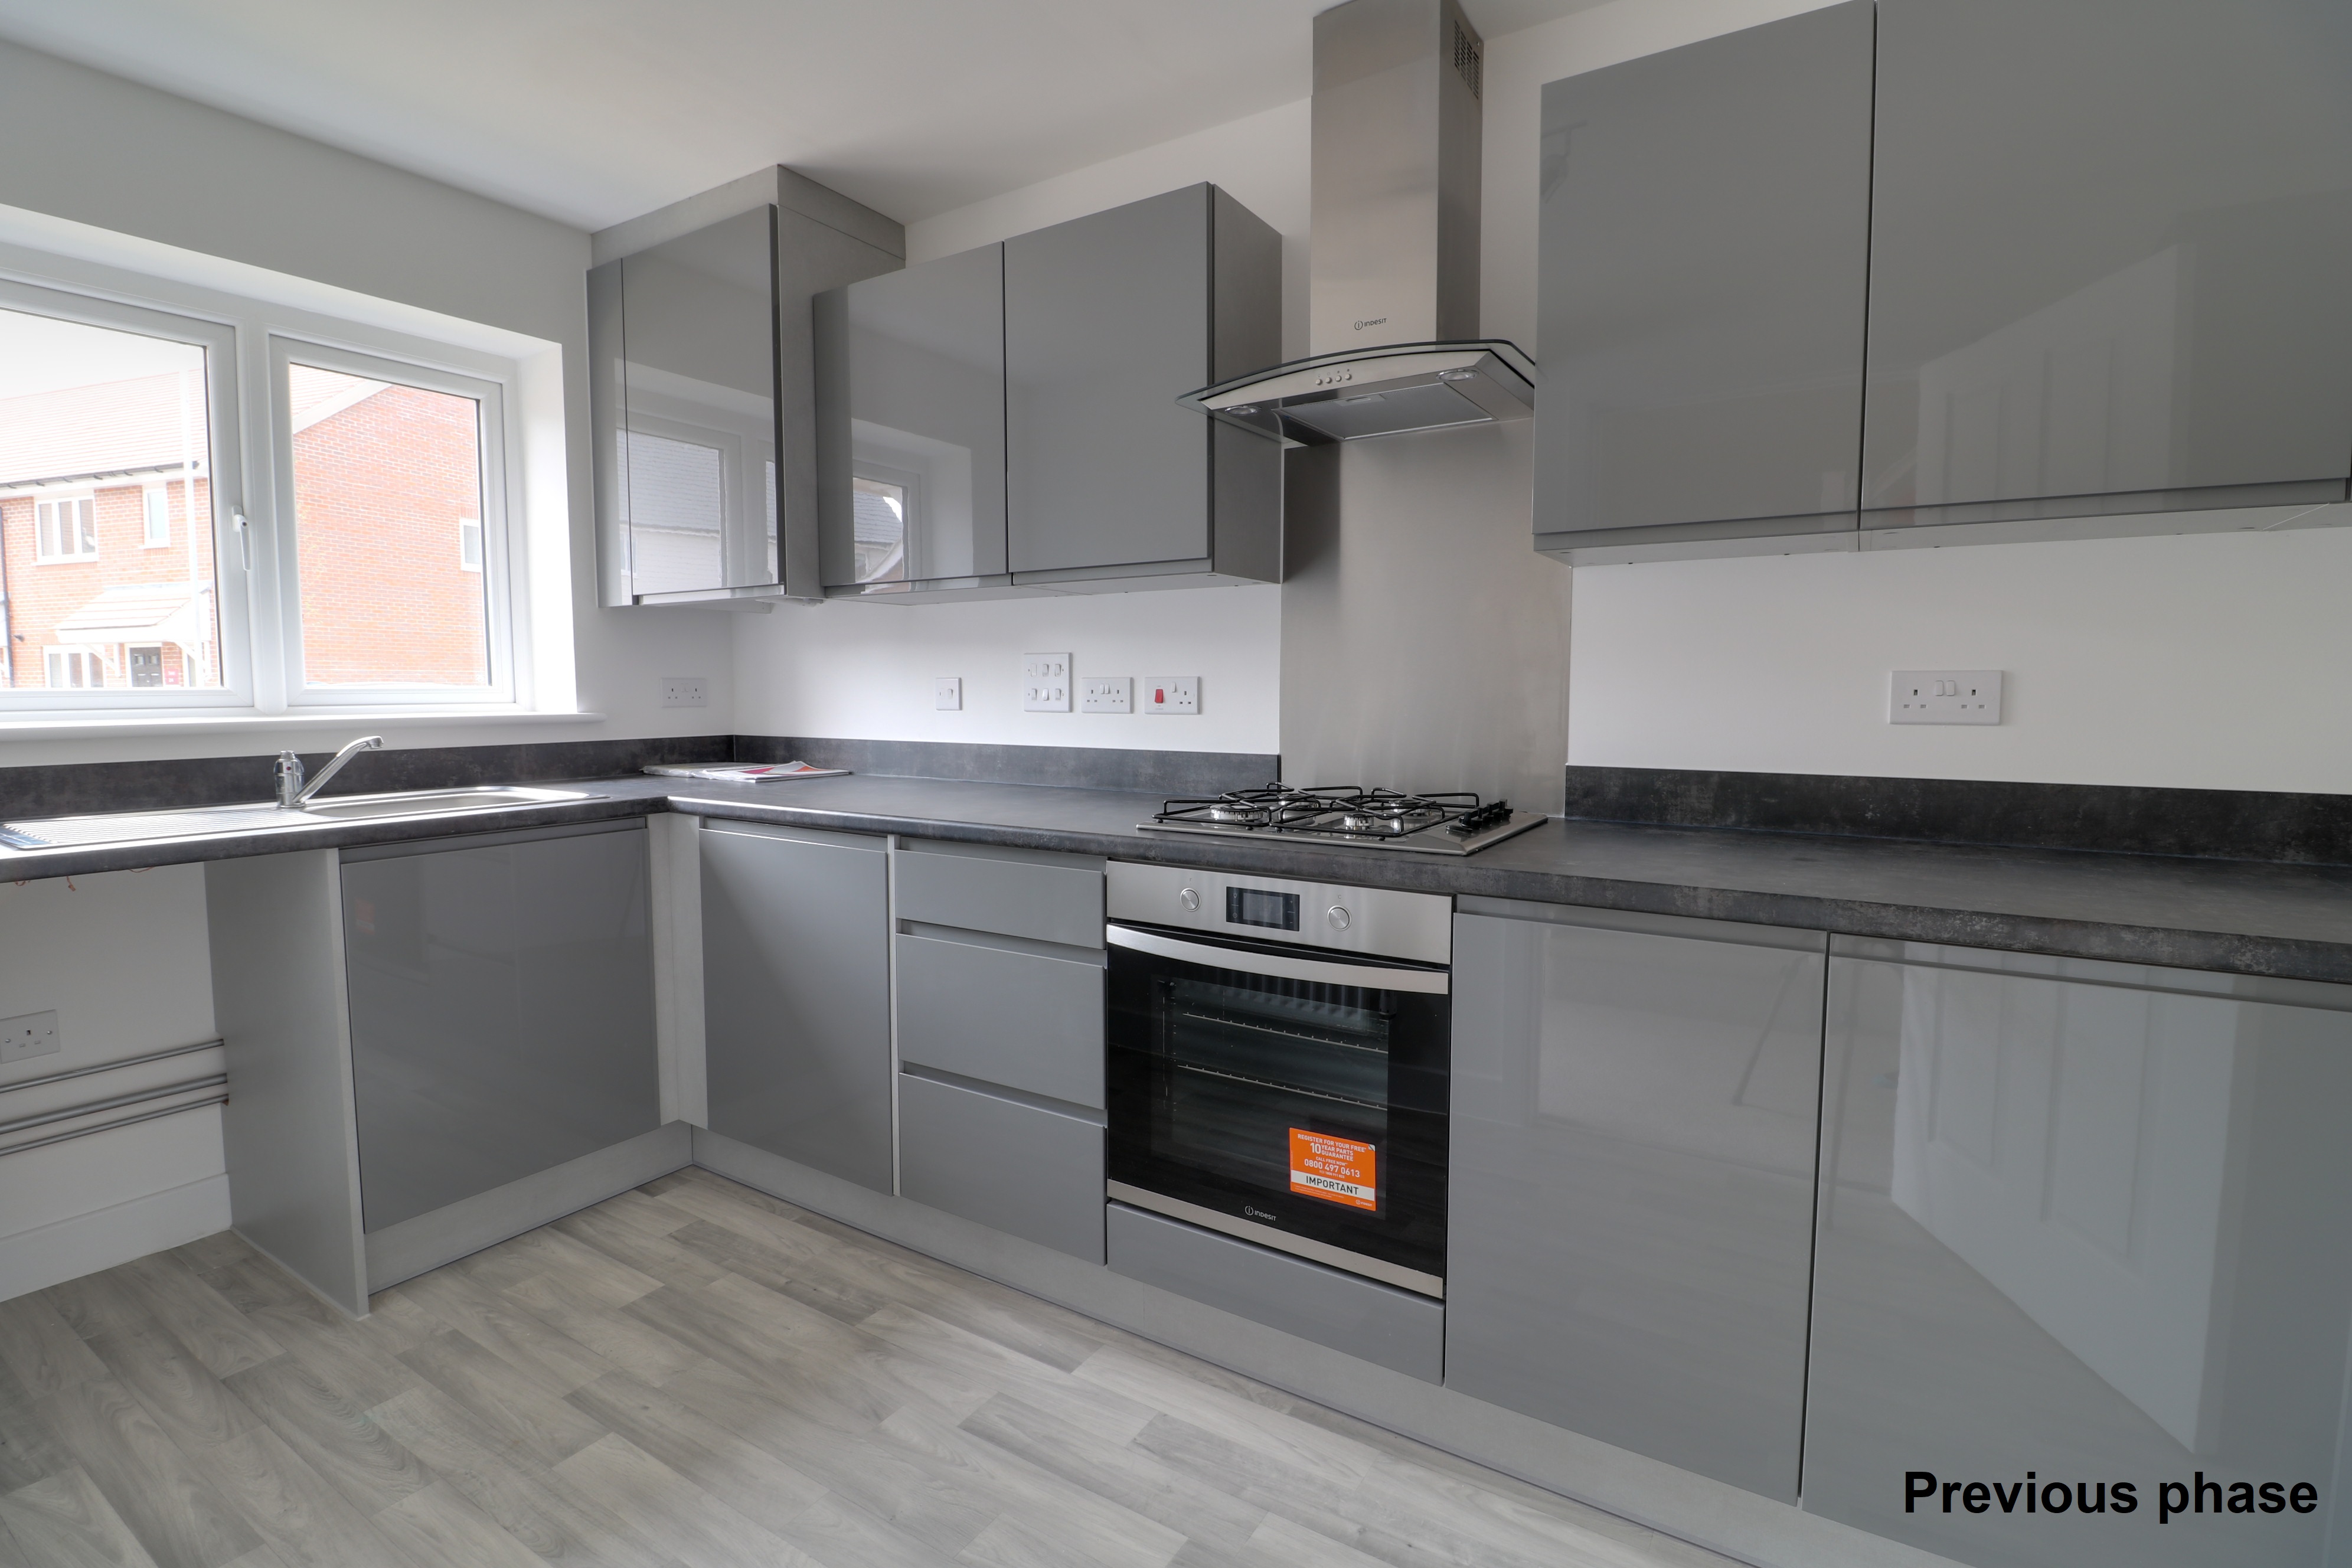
1347, 816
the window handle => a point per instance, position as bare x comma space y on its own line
244, 536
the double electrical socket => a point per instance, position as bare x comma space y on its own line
28, 1034
685, 691
1944, 697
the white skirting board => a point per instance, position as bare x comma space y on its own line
1723, 1518
83, 1244
403, 1252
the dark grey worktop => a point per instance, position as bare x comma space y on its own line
2235, 917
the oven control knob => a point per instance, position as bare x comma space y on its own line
1338, 916
1189, 898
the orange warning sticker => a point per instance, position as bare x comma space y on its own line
1336, 1168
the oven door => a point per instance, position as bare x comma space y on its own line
1284, 1095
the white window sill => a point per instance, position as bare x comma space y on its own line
42, 727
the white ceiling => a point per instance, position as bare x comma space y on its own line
594, 110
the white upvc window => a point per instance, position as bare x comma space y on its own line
65, 528
297, 482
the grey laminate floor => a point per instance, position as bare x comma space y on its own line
689, 1375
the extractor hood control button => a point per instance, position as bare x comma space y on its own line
1189, 898
1337, 917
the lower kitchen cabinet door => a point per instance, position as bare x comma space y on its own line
1635, 1103
501, 1010
796, 995
2087, 1224
1014, 1166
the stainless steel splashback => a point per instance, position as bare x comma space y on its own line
1421, 646
1396, 166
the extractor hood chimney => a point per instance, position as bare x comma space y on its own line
1393, 309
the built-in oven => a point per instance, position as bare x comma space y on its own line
1279, 1061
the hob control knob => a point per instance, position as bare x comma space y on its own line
1338, 916
1189, 898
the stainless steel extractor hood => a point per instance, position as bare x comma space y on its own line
1393, 302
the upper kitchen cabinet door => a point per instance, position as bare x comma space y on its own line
1631, 1197
1109, 319
2083, 1222
910, 425
2109, 246
1703, 252
689, 444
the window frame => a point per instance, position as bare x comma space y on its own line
489, 396
224, 469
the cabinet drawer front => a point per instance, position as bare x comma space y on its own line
1041, 900
1393, 1328
1028, 1023
1020, 1168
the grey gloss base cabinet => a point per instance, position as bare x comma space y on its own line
2088, 1221
999, 990
502, 1011
2103, 242
1630, 1225
796, 1001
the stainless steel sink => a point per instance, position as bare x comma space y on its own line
435, 801
190, 822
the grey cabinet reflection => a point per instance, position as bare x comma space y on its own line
2085, 1220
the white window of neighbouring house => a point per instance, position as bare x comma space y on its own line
65, 528
155, 516
73, 668
469, 544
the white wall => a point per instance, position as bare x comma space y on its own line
109, 166
866, 670
121, 959
2211, 660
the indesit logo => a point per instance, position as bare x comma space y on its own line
1258, 1213
1371, 321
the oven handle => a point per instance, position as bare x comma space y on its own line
1364, 976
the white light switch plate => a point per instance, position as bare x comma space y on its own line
1171, 694
1944, 697
30, 1035
1106, 694
946, 693
685, 691
1046, 682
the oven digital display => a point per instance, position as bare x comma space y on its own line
1254, 906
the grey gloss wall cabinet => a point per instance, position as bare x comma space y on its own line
1631, 1180
1704, 235
796, 1003
1000, 1009
1108, 318
2104, 252
910, 427
501, 1010
2109, 242
2085, 1220
701, 392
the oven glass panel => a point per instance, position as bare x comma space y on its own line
1246, 1068
1315, 1109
